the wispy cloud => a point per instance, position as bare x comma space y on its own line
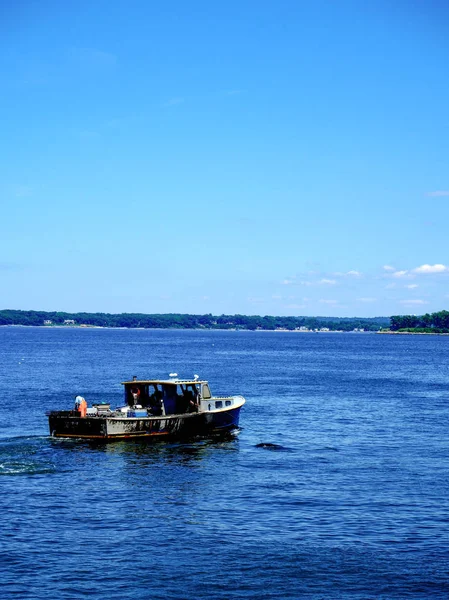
388, 268
399, 274
367, 299
22, 191
412, 286
87, 134
438, 193
293, 280
431, 269
352, 273
93, 57
174, 101
6, 266
413, 302
323, 281
327, 282
114, 123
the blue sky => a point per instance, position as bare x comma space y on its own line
287, 158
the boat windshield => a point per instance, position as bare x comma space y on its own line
163, 398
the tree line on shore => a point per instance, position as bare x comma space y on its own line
437, 322
186, 321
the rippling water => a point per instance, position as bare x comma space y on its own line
336, 486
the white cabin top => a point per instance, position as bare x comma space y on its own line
165, 382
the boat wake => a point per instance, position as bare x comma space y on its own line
25, 455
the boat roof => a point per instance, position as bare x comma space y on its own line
164, 381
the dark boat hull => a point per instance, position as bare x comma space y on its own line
68, 424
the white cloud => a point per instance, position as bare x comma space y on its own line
412, 286
400, 273
431, 269
367, 299
292, 281
347, 274
388, 268
438, 193
327, 282
411, 302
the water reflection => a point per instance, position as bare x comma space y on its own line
183, 451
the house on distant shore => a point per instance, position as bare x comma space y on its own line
69, 322
47, 322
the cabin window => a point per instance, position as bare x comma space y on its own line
206, 392
135, 395
170, 399
218, 404
154, 402
228, 403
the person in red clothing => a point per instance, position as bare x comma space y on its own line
83, 408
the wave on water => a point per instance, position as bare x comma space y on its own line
19, 468
272, 447
25, 455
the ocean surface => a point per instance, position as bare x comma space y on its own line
352, 501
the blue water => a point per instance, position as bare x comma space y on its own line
352, 502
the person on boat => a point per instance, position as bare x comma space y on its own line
135, 393
190, 400
155, 402
81, 406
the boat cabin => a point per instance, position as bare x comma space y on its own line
168, 397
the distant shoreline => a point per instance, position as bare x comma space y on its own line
189, 321
410, 333
309, 331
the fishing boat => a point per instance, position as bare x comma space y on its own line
152, 408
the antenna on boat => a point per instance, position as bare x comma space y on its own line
196, 377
